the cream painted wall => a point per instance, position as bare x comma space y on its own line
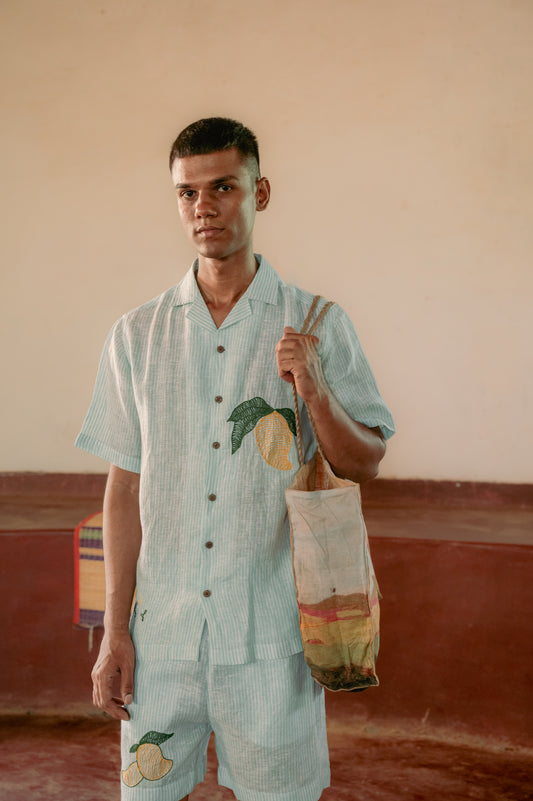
398, 140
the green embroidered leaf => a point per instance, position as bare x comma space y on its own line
289, 416
153, 737
250, 408
245, 417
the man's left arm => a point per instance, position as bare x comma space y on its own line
353, 450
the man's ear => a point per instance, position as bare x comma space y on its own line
262, 194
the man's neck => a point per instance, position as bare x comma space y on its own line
223, 282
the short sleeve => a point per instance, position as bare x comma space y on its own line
111, 429
348, 373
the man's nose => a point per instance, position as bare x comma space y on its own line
205, 207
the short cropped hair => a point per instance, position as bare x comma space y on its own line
213, 134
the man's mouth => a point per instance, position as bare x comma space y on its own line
208, 229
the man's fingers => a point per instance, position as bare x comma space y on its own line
102, 690
103, 699
291, 339
291, 333
126, 682
126, 688
287, 376
112, 676
294, 351
115, 709
105, 685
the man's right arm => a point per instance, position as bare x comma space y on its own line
112, 674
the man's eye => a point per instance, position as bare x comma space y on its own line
187, 193
224, 188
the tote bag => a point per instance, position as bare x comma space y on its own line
336, 588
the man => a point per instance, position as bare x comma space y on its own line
190, 408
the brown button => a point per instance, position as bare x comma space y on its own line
206, 593
216, 445
212, 497
208, 545
221, 349
218, 398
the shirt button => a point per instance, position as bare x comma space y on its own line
218, 398
206, 593
208, 545
212, 497
216, 445
221, 349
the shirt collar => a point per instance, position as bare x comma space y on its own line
264, 287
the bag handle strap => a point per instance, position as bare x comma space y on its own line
309, 328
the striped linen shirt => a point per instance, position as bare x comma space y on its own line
202, 414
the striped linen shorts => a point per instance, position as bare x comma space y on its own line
269, 723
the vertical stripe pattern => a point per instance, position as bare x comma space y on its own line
269, 724
180, 401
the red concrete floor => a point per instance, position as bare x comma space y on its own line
65, 759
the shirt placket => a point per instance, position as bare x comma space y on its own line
216, 445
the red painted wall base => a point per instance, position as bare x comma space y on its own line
456, 638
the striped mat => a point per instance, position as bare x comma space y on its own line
89, 578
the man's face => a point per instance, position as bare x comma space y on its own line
218, 196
